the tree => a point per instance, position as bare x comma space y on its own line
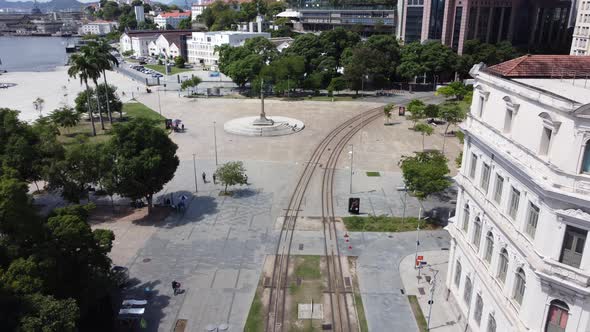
190, 83
429, 58
49, 314
144, 159
335, 41
387, 111
337, 84
456, 90
474, 52
83, 67
425, 130
231, 174
453, 115
65, 117
38, 103
431, 111
185, 24
416, 108
179, 61
101, 51
425, 173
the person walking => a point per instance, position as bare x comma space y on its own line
204, 177
214, 178
175, 287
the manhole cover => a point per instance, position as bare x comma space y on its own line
147, 260
266, 281
427, 278
421, 290
390, 236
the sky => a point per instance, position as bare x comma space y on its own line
85, 1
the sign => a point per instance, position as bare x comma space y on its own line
423, 263
420, 258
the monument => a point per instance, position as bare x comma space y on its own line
263, 125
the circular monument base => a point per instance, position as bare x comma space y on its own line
247, 126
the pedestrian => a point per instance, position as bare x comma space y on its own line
204, 177
182, 127
175, 287
214, 178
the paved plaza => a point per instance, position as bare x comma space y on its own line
216, 249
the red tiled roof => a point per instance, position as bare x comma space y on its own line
175, 14
543, 66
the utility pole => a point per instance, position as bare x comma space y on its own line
195, 171
159, 105
215, 140
431, 301
351, 159
417, 239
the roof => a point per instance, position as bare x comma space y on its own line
543, 66
280, 40
175, 14
134, 33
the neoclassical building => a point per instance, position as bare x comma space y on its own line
519, 258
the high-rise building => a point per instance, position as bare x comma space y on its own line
580, 44
519, 256
532, 23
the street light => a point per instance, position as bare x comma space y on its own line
431, 301
215, 140
195, 171
351, 153
159, 104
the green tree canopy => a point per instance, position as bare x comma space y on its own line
231, 174
65, 117
425, 173
455, 89
144, 159
416, 108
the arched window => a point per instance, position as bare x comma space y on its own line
477, 232
586, 158
466, 218
489, 247
519, 286
503, 265
457, 274
491, 324
467, 291
557, 316
478, 309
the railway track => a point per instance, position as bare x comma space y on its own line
332, 146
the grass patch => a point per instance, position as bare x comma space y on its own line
373, 174
308, 267
358, 301
162, 69
384, 224
84, 128
327, 98
255, 321
420, 320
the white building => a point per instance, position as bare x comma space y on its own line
201, 48
519, 259
197, 9
98, 28
170, 45
172, 19
137, 41
580, 44
139, 14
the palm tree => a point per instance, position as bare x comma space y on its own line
65, 117
83, 67
94, 57
106, 61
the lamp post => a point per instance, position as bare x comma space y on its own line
215, 140
351, 153
195, 171
159, 104
431, 301
417, 239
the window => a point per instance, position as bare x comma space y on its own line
503, 265
545, 141
478, 309
519, 286
489, 247
498, 189
473, 166
467, 291
477, 232
573, 246
514, 201
508, 121
458, 274
532, 219
557, 316
466, 218
485, 177
586, 158
481, 103
491, 324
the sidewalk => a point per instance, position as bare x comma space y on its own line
443, 317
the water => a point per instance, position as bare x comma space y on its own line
33, 53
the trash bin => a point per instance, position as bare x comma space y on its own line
402, 111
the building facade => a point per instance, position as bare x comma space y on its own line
170, 45
170, 19
522, 22
143, 43
519, 256
367, 20
201, 47
580, 45
98, 28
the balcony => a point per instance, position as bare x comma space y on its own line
545, 174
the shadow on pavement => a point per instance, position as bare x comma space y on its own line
243, 193
154, 310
